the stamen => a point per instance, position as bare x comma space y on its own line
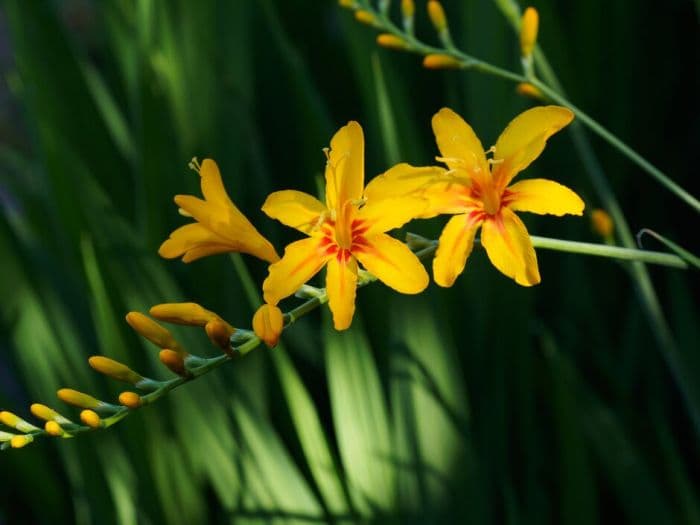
495, 161
194, 165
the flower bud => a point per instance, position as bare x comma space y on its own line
529, 24
391, 41
21, 441
441, 62
173, 360
90, 418
48, 414
219, 333
602, 223
408, 8
77, 399
151, 330
54, 429
114, 369
528, 90
365, 17
182, 313
130, 400
437, 15
348, 4
11, 420
6, 436
268, 324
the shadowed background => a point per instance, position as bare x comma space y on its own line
487, 401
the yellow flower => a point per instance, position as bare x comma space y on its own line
345, 230
477, 192
219, 226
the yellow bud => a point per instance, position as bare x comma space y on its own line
182, 313
6, 436
130, 399
528, 90
151, 330
11, 420
114, 369
437, 15
46, 413
346, 3
408, 8
529, 24
365, 17
268, 323
21, 441
54, 429
77, 399
219, 333
173, 360
90, 418
602, 223
391, 41
441, 62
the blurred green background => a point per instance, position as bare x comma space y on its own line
483, 403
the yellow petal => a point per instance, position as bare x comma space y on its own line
341, 285
295, 209
455, 245
212, 185
543, 196
509, 248
229, 223
402, 179
392, 263
268, 323
345, 169
384, 215
524, 139
189, 236
301, 261
459, 145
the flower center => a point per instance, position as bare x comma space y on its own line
343, 234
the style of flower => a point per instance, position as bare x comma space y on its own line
220, 227
347, 229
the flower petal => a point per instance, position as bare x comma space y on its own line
509, 248
268, 323
341, 285
295, 209
345, 169
193, 241
230, 224
301, 261
543, 196
392, 263
524, 139
387, 214
460, 146
455, 245
212, 185
402, 179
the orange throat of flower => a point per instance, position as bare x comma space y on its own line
344, 234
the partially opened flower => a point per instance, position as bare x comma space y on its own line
344, 230
219, 225
476, 191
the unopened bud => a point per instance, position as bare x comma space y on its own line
268, 324
148, 328
349, 4
77, 399
529, 24
219, 333
11, 420
21, 441
408, 8
114, 369
391, 41
173, 360
48, 414
528, 90
130, 399
182, 313
441, 62
365, 17
91, 418
437, 15
6, 436
54, 429
602, 223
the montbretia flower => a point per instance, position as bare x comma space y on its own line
477, 191
219, 225
347, 229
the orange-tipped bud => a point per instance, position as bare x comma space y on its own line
441, 62
437, 15
114, 369
11, 420
219, 333
408, 8
173, 360
90, 418
21, 441
529, 25
151, 330
130, 399
47, 414
528, 90
268, 323
77, 399
54, 429
182, 313
365, 17
602, 223
391, 41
